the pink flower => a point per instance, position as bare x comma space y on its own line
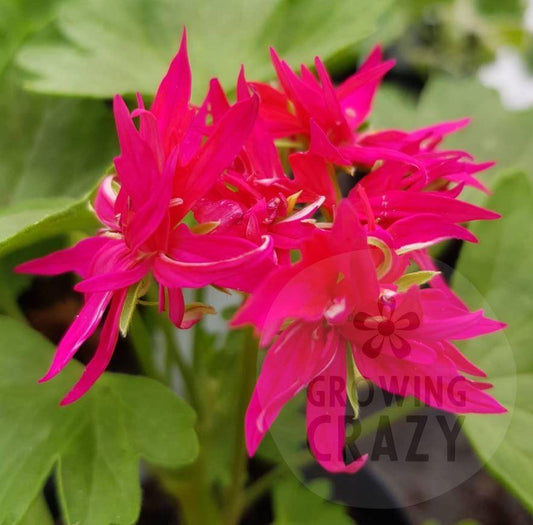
304, 98
342, 288
327, 119
202, 196
163, 169
255, 197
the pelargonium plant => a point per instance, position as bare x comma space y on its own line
325, 225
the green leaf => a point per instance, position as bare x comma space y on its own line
51, 147
352, 378
497, 7
18, 20
52, 152
34, 220
129, 307
38, 513
414, 278
96, 442
125, 46
297, 504
496, 275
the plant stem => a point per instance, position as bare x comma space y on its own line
247, 375
371, 424
199, 297
142, 346
191, 485
191, 489
186, 371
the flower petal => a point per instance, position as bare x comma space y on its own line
218, 152
77, 259
426, 229
114, 280
176, 306
299, 354
326, 414
171, 102
104, 351
437, 384
201, 260
79, 331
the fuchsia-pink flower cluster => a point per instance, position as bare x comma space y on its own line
246, 196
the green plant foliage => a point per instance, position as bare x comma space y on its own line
36, 219
51, 147
52, 152
18, 20
297, 504
497, 7
38, 513
496, 275
125, 46
95, 443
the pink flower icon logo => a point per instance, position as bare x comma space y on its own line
389, 329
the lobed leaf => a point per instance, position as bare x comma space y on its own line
125, 46
96, 442
496, 275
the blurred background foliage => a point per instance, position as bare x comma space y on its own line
61, 61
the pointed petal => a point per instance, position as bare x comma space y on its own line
104, 204
325, 415
395, 204
171, 103
437, 384
357, 92
218, 152
299, 354
368, 156
176, 306
104, 351
79, 331
217, 99
136, 166
322, 146
273, 111
312, 175
77, 259
303, 291
425, 262
460, 361
426, 229
114, 280
153, 211
149, 131
210, 259
462, 326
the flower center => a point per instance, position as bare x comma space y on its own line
386, 327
